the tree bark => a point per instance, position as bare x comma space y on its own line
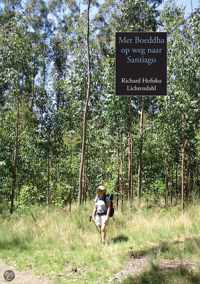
84, 184
15, 158
177, 190
130, 154
118, 169
84, 127
140, 165
166, 184
48, 171
184, 163
182, 175
121, 174
172, 187
191, 178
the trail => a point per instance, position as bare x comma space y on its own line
133, 267
141, 261
137, 266
21, 277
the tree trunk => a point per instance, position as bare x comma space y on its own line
182, 174
84, 125
15, 158
130, 153
70, 199
172, 187
184, 163
140, 165
176, 192
118, 185
196, 183
187, 192
166, 185
191, 187
118, 170
121, 174
84, 184
48, 198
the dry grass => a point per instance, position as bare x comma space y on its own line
54, 241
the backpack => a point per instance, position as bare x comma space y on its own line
110, 197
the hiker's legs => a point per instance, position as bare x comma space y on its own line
103, 233
103, 228
98, 224
99, 229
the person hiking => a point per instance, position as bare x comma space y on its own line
101, 211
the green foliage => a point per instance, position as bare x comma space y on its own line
43, 72
62, 194
158, 186
29, 195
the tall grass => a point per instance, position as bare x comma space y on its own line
66, 247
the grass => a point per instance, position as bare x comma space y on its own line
65, 247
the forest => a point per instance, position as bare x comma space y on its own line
64, 132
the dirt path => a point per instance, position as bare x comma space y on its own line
140, 261
134, 267
26, 277
137, 266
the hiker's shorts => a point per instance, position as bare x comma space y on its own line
100, 220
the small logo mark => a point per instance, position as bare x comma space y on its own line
9, 275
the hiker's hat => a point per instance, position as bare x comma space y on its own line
101, 188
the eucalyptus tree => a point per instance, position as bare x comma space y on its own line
180, 107
135, 16
17, 51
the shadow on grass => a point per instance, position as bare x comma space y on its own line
165, 276
190, 244
120, 238
176, 273
17, 242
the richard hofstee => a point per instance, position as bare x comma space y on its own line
141, 80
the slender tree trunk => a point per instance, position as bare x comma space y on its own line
140, 165
176, 182
183, 171
33, 85
184, 164
172, 187
121, 183
84, 123
196, 184
187, 189
191, 182
70, 199
118, 185
130, 153
166, 184
84, 184
118, 169
182, 175
15, 157
132, 185
48, 172
198, 179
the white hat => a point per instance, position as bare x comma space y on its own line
101, 188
